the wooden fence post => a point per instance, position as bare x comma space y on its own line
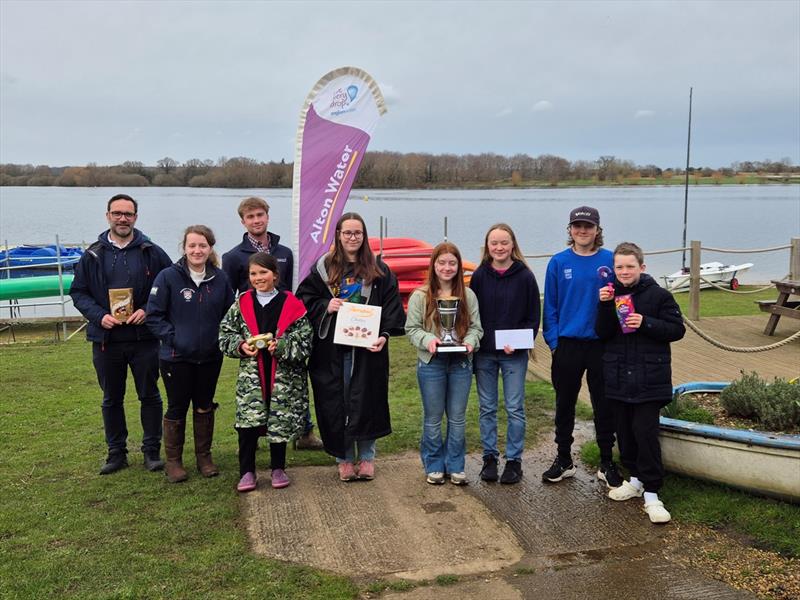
794, 260
694, 281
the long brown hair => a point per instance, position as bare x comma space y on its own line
206, 233
366, 267
516, 253
458, 290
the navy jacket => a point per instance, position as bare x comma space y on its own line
105, 266
185, 317
234, 263
507, 301
637, 366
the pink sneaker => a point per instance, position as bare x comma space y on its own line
279, 478
347, 472
247, 483
366, 470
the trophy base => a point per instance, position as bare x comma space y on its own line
449, 349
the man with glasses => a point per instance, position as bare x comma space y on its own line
111, 287
254, 213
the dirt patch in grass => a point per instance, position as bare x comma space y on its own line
718, 555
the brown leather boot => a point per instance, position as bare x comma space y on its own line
174, 436
203, 436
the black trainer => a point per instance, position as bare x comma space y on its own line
512, 472
115, 462
559, 471
608, 472
489, 470
152, 460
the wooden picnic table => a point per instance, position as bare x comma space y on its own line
782, 307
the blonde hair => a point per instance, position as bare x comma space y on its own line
516, 253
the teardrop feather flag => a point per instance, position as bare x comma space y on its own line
336, 124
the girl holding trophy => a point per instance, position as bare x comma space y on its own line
444, 326
267, 330
508, 297
351, 383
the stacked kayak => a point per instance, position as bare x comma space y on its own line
408, 258
33, 287
38, 257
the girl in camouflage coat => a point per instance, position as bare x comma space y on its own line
272, 388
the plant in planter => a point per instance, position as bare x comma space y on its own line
775, 406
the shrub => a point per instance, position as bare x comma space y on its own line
775, 405
742, 396
782, 411
683, 407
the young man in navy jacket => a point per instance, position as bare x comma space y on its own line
122, 258
254, 213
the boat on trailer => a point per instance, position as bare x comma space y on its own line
713, 272
755, 461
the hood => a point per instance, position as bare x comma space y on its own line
645, 281
182, 266
138, 239
515, 266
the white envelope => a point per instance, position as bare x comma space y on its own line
518, 339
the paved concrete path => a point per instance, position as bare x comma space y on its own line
531, 540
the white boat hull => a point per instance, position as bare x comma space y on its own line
772, 472
714, 272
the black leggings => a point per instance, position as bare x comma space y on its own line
248, 441
189, 383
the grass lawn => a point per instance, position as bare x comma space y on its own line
67, 532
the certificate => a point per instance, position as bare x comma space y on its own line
518, 339
357, 325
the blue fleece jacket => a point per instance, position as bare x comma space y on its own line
571, 288
506, 301
234, 263
104, 266
185, 317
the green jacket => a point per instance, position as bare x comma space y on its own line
289, 394
419, 336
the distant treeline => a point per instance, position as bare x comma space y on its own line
392, 170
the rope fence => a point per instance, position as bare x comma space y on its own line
730, 348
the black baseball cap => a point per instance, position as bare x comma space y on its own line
586, 214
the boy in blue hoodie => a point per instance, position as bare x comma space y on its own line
570, 308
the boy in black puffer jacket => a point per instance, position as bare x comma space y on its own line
637, 370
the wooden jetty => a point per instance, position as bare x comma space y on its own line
694, 359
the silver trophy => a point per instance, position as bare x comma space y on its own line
448, 310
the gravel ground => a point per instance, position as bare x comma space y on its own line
718, 555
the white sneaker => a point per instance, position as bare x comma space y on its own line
435, 478
458, 478
625, 492
657, 512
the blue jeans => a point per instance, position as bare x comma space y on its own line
444, 384
513, 368
363, 449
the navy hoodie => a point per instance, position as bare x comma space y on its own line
104, 266
234, 263
185, 316
506, 301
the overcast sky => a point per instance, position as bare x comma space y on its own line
107, 82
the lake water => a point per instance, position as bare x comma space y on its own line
736, 217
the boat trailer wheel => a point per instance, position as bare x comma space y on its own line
734, 284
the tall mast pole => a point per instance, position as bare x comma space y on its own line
686, 183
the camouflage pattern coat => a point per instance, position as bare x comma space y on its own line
289, 377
